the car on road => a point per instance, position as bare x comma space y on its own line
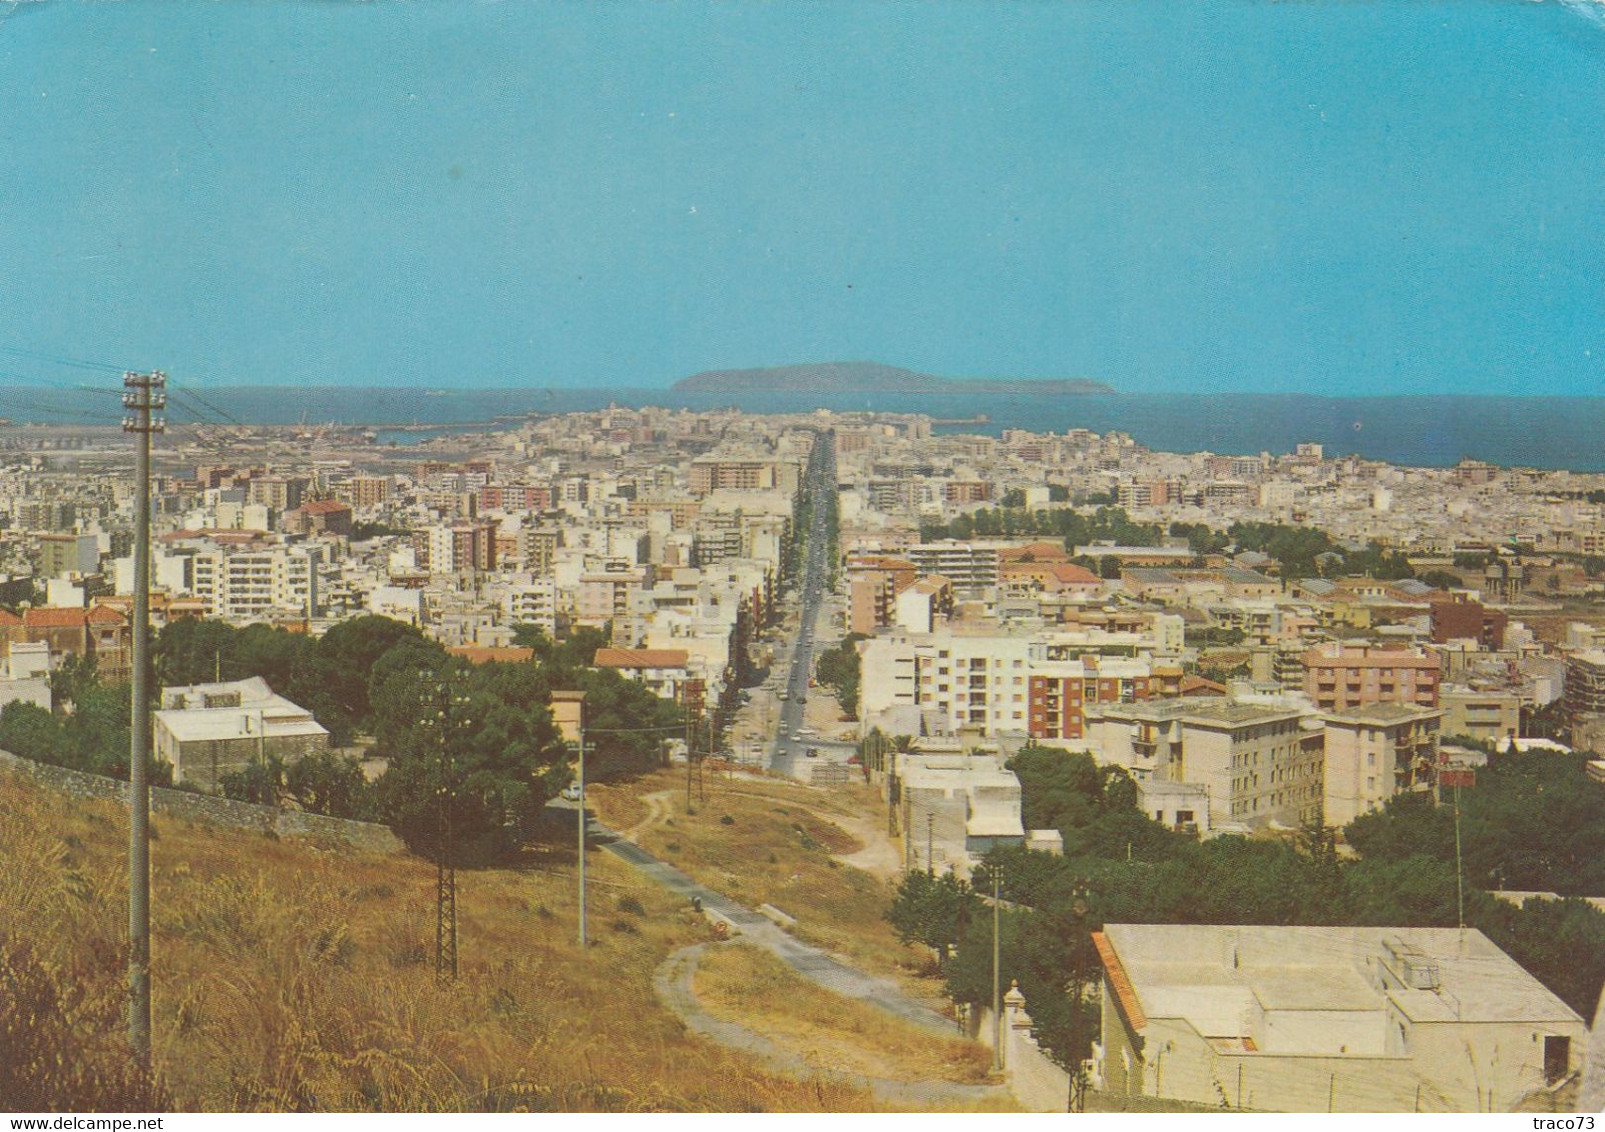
572, 793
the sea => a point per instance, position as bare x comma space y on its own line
1422, 431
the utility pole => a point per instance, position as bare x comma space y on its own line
579, 821
1460, 876
441, 718
143, 393
568, 711
930, 843
997, 980
1079, 907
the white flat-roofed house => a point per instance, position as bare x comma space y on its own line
1181, 806
208, 731
1316, 1019
957, 808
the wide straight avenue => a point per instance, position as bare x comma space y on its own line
789, 742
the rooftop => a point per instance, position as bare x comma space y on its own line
1228, 980
641, 658
1383, 714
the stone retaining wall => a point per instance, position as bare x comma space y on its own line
210, 809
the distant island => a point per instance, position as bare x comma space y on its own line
870, 377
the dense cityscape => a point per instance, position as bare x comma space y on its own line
1270, 777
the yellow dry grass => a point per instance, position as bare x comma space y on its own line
293, 978
753, 988
777, 849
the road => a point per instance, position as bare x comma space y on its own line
789, 748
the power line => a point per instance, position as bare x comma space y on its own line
31, 407
203, 411
677, 727
191, 394
57, 359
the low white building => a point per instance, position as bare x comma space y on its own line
208, 731
1327, 1019
956, 807
1180, 806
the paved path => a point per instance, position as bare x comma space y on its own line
673, 984
810, 962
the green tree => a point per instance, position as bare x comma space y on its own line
71, 678
489, 738
350, 650
192, 650
32, 732
261, 782
838, 669
1561, 942
1442, 580
98, 731
933, 910
326, 783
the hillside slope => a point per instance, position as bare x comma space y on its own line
290, 977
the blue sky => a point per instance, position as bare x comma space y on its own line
1327, 197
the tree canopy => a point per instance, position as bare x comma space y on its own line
1533, 822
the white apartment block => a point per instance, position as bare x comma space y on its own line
1259, 764
243, 583
1375, 751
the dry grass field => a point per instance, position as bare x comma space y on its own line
289, 977
778, 847
752, 987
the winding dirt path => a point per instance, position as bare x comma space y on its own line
673, 984
657, 812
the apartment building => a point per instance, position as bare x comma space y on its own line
58, 555
971, 568
1491, 715
365, 492
611, 593
1258, 763
873, 583
871, 600
714, 473
456, 548
965, 682
1374, 752
1585, 694
1339, 676
1468, 621
1060, 691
